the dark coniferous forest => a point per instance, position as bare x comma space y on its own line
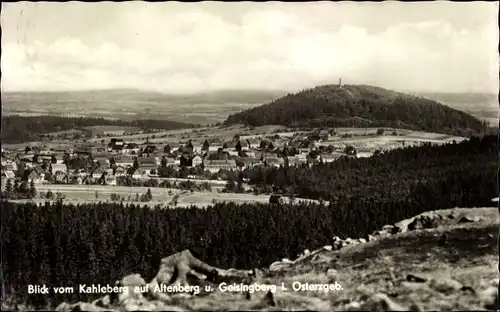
17, 129
396, 174
359, 106
64, 245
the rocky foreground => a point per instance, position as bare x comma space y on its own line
441, 260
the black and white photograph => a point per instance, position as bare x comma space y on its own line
250, 156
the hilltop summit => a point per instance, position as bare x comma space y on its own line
359, 106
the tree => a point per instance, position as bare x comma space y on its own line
313, 154
131, 171
270, 146
8, 189
163, 162
27, 149
380, 131
23, 188
166, 149
238, 146
32, 191
263, 144
230, 187
206, 146
239, 183
350, 150
149, 195
49, 195
136, 164
21, 169
224, 146
66, 159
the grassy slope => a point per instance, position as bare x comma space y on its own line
467, 257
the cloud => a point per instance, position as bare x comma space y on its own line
195, 50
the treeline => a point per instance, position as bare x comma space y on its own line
426, 172
360, 106
18, 190
17, 129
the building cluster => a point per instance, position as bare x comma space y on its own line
83, 164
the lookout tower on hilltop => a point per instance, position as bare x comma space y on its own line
340, 82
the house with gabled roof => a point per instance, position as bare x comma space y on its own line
110, 179
250, 161
120, 171
36, 176
9, 166
97, 173
273, 161
8, 174
216, 165
146, 165
124, 161
364, 152
173, 162
102, 161
54, 168
197, 161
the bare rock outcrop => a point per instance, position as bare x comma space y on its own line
177, 272
425, 222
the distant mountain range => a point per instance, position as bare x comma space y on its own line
212, 106
133, 95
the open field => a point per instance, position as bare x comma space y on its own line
161, 196
88, 192
389, 140
364, 137
112, 128
206, 198
198, 136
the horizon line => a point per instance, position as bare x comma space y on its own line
263, 90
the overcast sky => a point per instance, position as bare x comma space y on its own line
189, 47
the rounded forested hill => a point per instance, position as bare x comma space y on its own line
359, 106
